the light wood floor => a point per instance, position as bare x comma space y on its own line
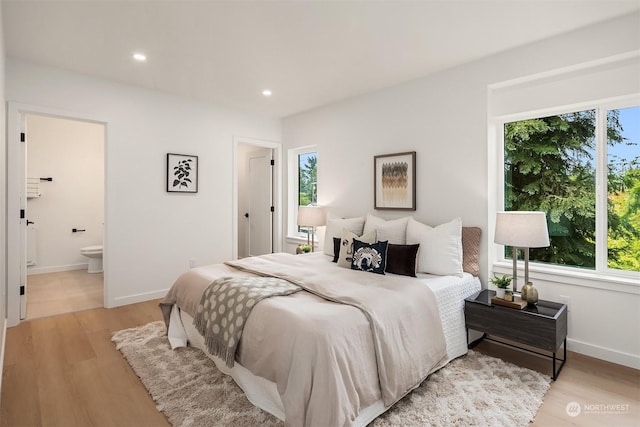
63, 292
65, 371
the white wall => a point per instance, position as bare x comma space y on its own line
72, 153
150, 235
443, 117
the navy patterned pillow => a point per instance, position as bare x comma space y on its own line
369, 257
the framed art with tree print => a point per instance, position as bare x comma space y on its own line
394, 182
182, 173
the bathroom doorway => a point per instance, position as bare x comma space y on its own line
64, 165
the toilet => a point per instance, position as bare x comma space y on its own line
94, 253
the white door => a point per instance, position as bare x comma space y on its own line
259, 203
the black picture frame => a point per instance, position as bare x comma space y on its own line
182, 173
394, 181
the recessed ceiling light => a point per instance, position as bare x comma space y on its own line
266, 92
140, 57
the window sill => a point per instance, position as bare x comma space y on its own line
573, 276
297, 240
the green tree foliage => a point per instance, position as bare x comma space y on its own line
624, 235
308, 177
549, 166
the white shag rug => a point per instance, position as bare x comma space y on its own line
474, 390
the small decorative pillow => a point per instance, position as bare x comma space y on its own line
346, 246
471, 250
369, 257
394, 231
334, 229
401, 259
440, 247
336, 249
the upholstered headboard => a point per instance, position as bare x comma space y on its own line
471, 249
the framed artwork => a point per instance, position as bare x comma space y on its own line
394, 181
182, 173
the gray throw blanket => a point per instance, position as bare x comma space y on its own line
225, 306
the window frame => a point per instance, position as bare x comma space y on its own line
601, 272
294, 189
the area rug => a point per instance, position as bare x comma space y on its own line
474, 390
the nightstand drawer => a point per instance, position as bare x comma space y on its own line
527, 328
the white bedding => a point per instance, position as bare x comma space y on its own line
450, 293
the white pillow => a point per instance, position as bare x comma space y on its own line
440, 247
334, 229
393, 231
346, 245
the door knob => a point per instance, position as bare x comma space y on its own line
246, 215
30, 222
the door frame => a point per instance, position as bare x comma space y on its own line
16, 112
277, 193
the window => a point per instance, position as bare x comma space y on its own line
303, 187
307, 178
556, 164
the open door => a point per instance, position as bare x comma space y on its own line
257, 199
259, 202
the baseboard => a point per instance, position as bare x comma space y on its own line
2, 344
56, 269
133, 299
613, 356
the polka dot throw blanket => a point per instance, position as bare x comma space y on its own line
225, 306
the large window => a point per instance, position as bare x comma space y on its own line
558, 163
303, 185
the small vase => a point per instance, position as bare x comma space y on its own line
530, 293
500, 293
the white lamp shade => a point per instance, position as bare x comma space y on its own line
311, 216
522, 229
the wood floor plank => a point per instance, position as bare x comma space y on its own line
62, 292
20, 403
65, 371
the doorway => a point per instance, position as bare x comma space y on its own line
257, 199
65, 213
58, 190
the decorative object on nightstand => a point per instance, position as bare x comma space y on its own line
521, 230
311, 217
502, 283
303, 249
508, 295
530, 294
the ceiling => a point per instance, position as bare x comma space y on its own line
309, 53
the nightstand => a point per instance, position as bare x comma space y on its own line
542, 327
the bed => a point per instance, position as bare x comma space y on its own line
345, 348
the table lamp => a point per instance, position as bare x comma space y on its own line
521, 230
311, 217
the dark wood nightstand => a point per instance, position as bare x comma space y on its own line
543, 326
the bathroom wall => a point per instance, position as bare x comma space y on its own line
72, 153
